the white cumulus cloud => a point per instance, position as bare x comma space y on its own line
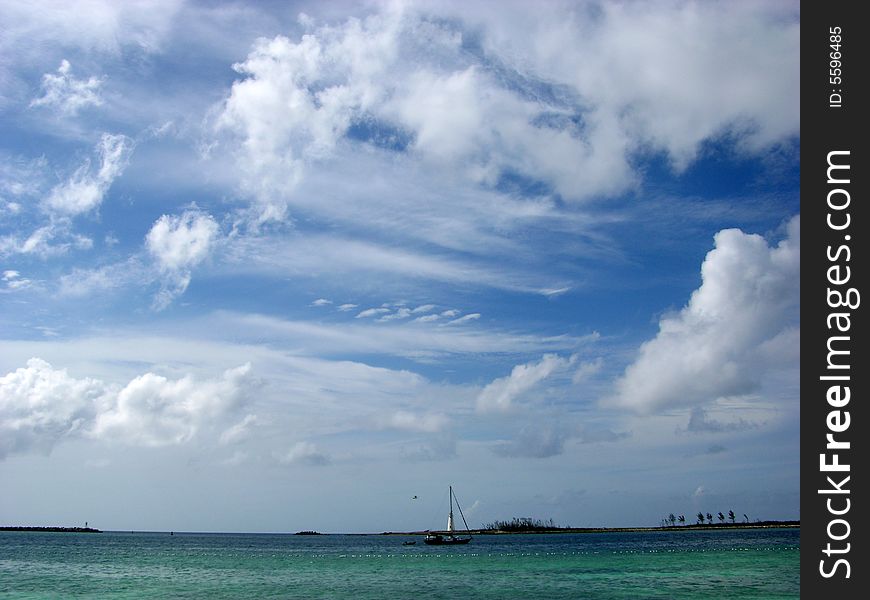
41, 406
499, 395
718, 345
303, 453
66, 93
515, 92
152, 410
179, 243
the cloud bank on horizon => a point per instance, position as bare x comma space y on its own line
520, 242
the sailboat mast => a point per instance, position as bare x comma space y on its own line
450, 516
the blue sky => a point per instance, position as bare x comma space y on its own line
285, 266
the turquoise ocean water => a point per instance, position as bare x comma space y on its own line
705, 564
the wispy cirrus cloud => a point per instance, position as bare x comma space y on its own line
240, 431
33, 32
399, 338
465, 319
409, 421
46, 241
80, 193
82, 282
399, 314
86, 188
371, 312
13, 280
353, 261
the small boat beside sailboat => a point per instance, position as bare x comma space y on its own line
449, 538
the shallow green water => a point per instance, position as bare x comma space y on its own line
721, 564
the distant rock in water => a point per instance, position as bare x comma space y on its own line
308, 533
54, 529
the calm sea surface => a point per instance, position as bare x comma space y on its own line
721, 564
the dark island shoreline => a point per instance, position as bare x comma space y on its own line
668, 528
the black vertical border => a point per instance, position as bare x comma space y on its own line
825, 129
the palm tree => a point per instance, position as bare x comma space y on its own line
731, 516
682, 519
672, 519
701, 518
745, 518
709, 518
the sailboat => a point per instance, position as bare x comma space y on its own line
449, 538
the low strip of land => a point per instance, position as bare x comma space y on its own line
668, 528
53, 529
